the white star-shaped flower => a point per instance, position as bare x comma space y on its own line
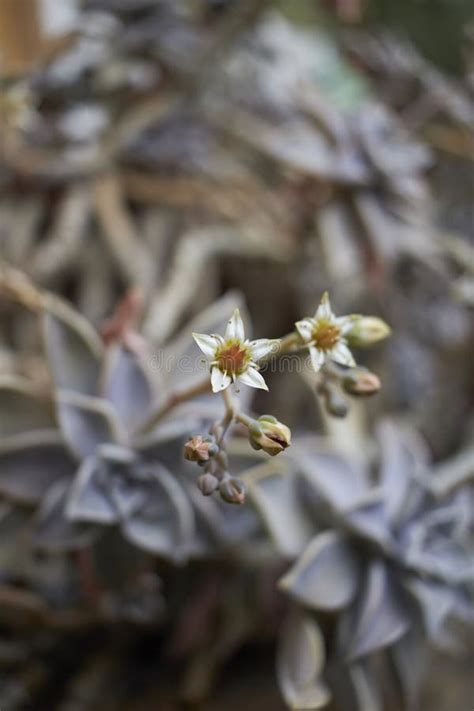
324, 335
233, 357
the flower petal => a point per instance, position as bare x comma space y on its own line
317, 358
207, 344
219, 380
305, 328
235, 327
324, 309
341, 354
262, 347
252, 377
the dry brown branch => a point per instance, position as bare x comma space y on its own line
233, 200
458, 142
20, 38
96, 283
19, 220
66, 234
125, 244
17, 286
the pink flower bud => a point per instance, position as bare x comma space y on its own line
199, 449
270, 435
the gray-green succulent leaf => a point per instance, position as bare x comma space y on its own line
300, 663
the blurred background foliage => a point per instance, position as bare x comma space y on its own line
162, 163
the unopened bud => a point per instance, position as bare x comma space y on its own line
207, 484
232, 490
270, 435
199, 449
361, 383
366, 331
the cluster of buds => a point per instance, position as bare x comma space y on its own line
328, 339
209, 453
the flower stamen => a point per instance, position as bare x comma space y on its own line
325, 335
233, 358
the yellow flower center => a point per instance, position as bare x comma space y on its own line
233, 357
325, 335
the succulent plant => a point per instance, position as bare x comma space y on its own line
289, 178
99, 466
81, 461
386, 574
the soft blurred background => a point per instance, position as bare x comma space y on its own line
183, 149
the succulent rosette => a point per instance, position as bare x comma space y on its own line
383, 571
83, 459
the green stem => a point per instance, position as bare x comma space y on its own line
229, 416
289, 343
244, 419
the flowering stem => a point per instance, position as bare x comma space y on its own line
244, 419
228, 417
287, 343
